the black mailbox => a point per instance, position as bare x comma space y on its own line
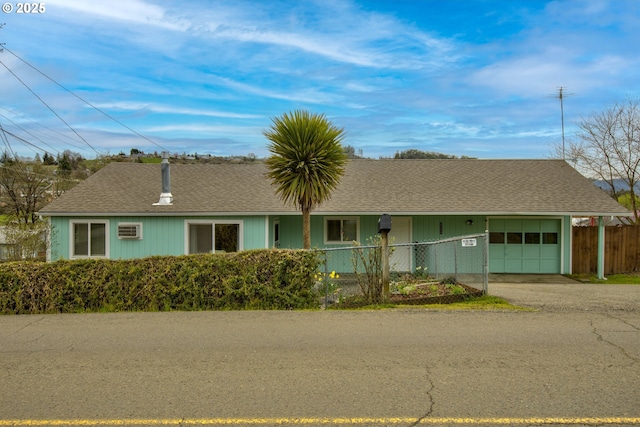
384, 223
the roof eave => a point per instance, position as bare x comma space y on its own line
339, 213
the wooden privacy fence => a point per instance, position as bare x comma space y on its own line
621, 250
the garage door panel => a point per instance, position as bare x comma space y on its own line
531, 251
548, 251
530, 245
531, 265
513, 265
549, 265
513, 251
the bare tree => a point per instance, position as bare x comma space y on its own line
609, 150
24, 189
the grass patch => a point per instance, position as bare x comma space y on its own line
614, 279
482, 303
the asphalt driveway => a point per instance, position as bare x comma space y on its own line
559, 293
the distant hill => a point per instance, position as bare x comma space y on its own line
619, 184
417, 154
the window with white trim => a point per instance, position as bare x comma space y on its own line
341, 229
89, 239
213, 236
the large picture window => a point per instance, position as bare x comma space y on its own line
89, 239
341, 230
213, 236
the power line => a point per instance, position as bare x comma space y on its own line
4, 131
8, 148
86, 102
48, 106
29, 133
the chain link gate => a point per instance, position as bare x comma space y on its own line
462, 259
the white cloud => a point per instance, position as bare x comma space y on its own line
135, 11
306, 95
538, 74
337, 31
207, 129
166, 109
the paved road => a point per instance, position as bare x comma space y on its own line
403, 367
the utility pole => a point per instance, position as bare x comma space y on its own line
561, 95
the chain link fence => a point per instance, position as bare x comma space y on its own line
462, 260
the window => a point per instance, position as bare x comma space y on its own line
276, 234
532, 238
550, 238
226, 237
514, 238
213, 236
341, 230
496, 237
89, 239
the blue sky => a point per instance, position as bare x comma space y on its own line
472, 78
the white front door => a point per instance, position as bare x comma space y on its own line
401, 259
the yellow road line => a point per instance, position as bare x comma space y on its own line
326, 421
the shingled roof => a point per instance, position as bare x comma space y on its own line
430, 187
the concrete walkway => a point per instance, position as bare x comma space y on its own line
559, 293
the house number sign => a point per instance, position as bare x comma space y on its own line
468, 243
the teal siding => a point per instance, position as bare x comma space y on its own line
166, 236
424, 228
59, 238
291, 232
429, 228
160, 235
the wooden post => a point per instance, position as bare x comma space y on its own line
385, 263
384, 227
600, 268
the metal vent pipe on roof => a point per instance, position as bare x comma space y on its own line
165, 197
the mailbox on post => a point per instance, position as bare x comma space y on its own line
384, 223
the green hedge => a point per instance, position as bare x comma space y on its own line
256, 279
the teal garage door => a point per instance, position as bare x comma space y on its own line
524, 246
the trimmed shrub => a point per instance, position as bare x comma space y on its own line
255, 279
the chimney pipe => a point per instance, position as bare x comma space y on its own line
165, 197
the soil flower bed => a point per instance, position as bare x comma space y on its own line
413, 289
432, 292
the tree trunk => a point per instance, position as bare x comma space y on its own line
306, 228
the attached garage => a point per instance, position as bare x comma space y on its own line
525, 245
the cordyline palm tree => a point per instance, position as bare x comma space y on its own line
306, 162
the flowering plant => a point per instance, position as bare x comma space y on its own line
331, 288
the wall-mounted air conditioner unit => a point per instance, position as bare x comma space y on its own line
130, 231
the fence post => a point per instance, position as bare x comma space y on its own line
455, 260
601, 232
385, 264
485, 264
326, 281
